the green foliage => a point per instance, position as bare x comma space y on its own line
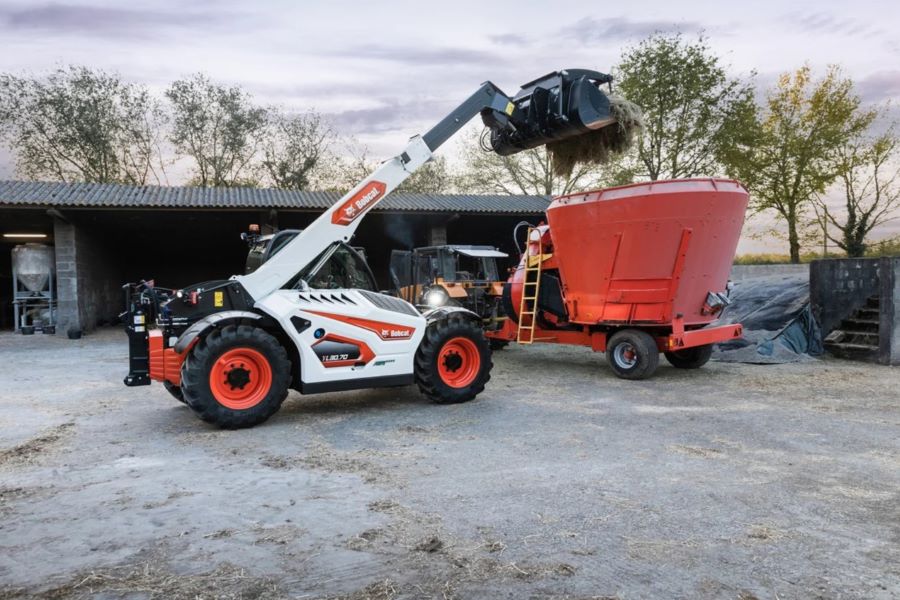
781, 259
692, 110
78, 124
528, 172
791, 157
218, 127
433, 178
868, 169
888, 247
294, 149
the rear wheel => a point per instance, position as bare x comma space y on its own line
174, 390
632, 354
690, 358
498, 344
236, 377
453, 362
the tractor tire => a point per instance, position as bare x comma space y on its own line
690, 358
453, 362
174, 390
498, 344
236, 377
632, 354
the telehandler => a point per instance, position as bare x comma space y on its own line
230, 349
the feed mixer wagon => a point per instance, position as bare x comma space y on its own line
632, 271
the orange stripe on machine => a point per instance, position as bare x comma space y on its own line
386, 331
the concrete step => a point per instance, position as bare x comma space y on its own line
866, 313
856, 324
873, 302
852, 351
852, 338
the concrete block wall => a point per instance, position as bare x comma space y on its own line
837, 287
889, 325
88, 285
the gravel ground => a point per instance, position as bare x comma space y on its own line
560, 481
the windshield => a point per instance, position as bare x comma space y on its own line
339, 266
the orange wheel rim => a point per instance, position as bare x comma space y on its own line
240, 378
459, 362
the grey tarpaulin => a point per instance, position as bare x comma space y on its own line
779, 326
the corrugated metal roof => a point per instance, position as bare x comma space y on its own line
108, 195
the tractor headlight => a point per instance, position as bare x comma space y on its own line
436, 297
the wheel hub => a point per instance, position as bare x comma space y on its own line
452, 361
237, 377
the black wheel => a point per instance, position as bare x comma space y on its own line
498, 344
174, 390
236, 377
453, 362
632, 354
690, 358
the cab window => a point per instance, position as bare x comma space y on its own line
339, 267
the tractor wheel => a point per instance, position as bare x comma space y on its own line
632, 354
453, 362
690, 358
498, 344
174, 390
236, 377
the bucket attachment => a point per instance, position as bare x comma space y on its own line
555, 107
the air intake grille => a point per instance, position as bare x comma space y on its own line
389, 303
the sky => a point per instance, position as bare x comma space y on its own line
383, 71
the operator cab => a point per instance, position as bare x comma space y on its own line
339, 266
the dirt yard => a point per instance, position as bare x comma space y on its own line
560, 481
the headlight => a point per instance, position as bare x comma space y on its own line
436, 297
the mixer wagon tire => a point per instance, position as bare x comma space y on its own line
632, 354
236, 377
174, 390
453, 362
690, 358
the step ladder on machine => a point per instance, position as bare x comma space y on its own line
531, 288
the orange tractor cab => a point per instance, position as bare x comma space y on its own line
632, 271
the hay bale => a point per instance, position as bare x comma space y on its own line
599, 146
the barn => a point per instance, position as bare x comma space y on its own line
104, 235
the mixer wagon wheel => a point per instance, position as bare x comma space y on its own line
236, 376
690, 358
632, 354
453, 362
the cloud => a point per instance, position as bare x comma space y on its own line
390, 115
425, 56
510, 39
589, 29
108, 21
880, 86
824, 23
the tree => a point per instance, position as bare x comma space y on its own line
868, 169
295, 148
434, 177
692, 109
527, 172
77, 124
792, 156
218, 127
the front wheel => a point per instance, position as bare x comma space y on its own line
236, 377
632, 354
690, 358
453, 362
